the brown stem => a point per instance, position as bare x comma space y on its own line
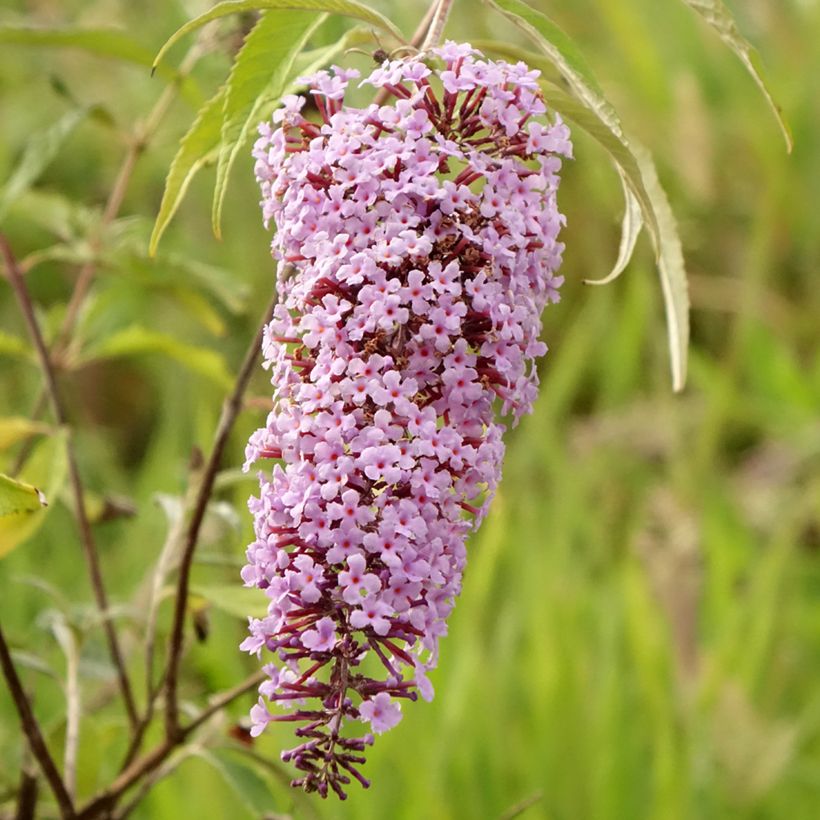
31, 729
230, 411
27, 793
106, 799
84, 525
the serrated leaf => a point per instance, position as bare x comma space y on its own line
46, 468
40, 150
263, 63
718, 16
630, 231
235, 600
17, 428
196, 148
102, 42
305, 64
19, 497
347, 8
137, 340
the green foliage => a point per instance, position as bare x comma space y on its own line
43, 476
40, 152
140, 341
19, 497
102, 42
198, 147
262, 66
588, 108
348, 8
638, 633
718, 16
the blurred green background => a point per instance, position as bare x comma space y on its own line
639, 632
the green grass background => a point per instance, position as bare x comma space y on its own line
639, 632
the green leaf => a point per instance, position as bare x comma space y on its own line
40, 150
235, 600
718, 16
196, 149
563, 53
17, 428
46, 468
249, 786
348, 8
14, 346
170, 267
630, 230
671, 268
586, 107
263, 63
102, 42
139, 341
56, 213
638, 172
19, 497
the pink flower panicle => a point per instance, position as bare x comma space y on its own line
417, 247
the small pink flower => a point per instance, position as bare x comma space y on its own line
380, 712
420, 242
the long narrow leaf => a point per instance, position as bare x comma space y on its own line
139, 341
41, 149
718, 16
196, 148
640, 178
630, 231
264, 61
563, 54
348, 8
671, 268
102, 42
639, 172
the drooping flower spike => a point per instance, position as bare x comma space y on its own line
417, 247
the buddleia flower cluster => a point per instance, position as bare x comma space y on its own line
417, 247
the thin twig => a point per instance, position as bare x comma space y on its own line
31, 729
221, 701
230, 411
107, 799
519, 808
443, 8
83, 523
